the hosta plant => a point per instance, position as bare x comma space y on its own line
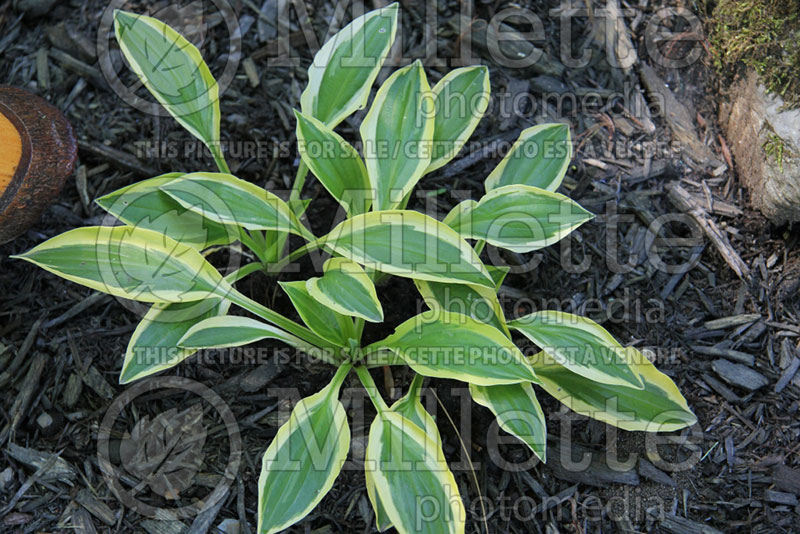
167, 223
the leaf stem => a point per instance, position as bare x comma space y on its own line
219, 158
299, 181
479, 246
415, 388
372, 389
244, 271
338, 378
296, 254
253, 243
283, 322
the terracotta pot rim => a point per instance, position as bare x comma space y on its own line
24, 160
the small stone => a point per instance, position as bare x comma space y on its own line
34, 8
739, 375
44, 420
228, 526
6, 476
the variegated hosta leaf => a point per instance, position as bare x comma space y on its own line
461, 99
397, 134
230, 201
144, 205
539, 158
322, 320
173, 70
335, 163
235, 331
410, 244
133, 263
517, 411
581, 345
498, 274
450, 345
153, 347
478, 302
344, 69
410, 407
347, 289
518, 217
411, 479
304, 459
659, 407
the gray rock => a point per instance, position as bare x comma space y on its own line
764, 139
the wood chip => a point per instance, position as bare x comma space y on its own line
597, 473
95, 380
77, 66
42, 69
118, 157
251, 71
739, 375
678, 119
730, 354
674, 524
509, 43
82, 522
730, 322
651, 472
780, 497
72, 391
786, 479
95, 299
59, 471
95, 507
30, 386
154, 526
787, 375
83, 189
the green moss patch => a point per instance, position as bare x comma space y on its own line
760, 34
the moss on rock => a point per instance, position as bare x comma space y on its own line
760, 34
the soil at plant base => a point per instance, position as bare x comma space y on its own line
741, 466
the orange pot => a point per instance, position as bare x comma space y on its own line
37, 153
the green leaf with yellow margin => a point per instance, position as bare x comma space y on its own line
323, 321
129, 262
347, 289
229, 200
450, 345
304, 459
518, 217
539, 157
335, 163
153, 347
144, 205
174, 72
581, 345
396, 135
235, 331
344, 69
404, 464
409, 244
478, 302
517, 412
659, 407
410, 407
461, 99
